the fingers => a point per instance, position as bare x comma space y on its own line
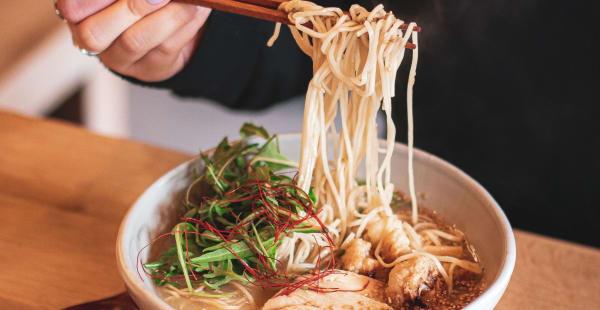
171, 55
74, 11
147, 39
98, 31
147, 34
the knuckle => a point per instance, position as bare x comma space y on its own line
87, 36
123, 70
132, 42
167, 48
108, 64
136, 8
185, 11
70, 10
145, 75
111, 62
154, 67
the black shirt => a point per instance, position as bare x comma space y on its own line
505, 91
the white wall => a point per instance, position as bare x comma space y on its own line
159, 118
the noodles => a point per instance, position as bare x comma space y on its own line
355, 60
237, 301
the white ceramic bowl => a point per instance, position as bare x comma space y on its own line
456, 196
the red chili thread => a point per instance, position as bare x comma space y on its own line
264, 275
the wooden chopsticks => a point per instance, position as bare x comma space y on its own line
262, 9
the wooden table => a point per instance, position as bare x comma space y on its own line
64, 190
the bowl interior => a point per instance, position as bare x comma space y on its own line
455, 196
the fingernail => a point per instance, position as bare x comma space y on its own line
153, 2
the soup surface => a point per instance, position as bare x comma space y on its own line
466, 285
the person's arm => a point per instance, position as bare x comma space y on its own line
233, 66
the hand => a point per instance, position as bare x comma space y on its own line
150, 40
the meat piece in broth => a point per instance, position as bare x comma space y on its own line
355, 292
410, 279
301, 307
357, 258
388, 231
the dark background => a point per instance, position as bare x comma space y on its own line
508, 91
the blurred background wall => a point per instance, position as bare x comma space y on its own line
42, 74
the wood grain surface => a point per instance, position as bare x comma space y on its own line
64, 190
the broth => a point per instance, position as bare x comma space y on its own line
467, 285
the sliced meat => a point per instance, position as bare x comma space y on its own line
357, 258
410, 279
307, 299
355, 292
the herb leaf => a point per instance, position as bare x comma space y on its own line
272, 157
249, 129
241, 249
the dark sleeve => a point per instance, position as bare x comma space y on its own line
233, 66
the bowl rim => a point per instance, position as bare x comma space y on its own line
130, 277
497, 287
